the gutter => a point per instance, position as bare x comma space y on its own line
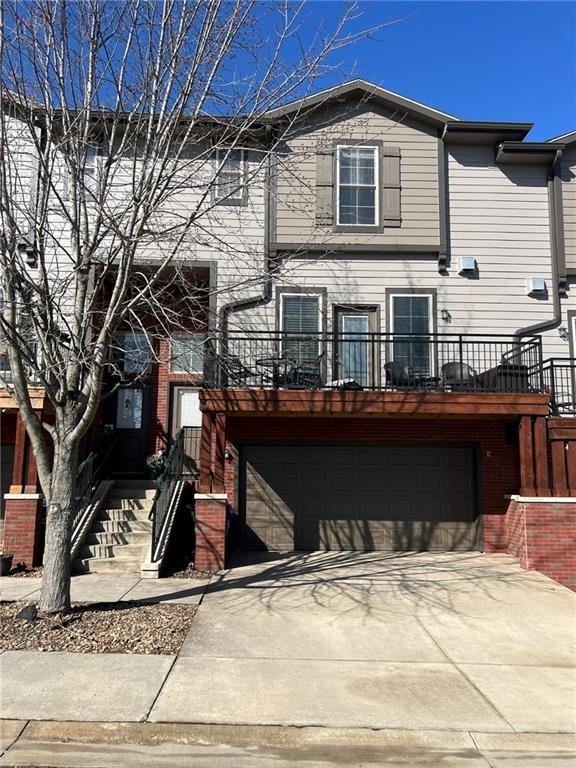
266, 295
555, 249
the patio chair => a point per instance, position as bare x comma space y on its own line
234, 369
399, 375
306, 375
459, 376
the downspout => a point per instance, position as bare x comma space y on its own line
266, 295
555, 246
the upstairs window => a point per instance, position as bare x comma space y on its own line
411, 321
357, 186
230, 182
187, 353
300, 326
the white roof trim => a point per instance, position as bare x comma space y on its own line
376, 89
564, 136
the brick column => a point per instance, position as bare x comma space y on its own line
210, 516
22, 528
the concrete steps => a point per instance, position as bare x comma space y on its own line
119, 540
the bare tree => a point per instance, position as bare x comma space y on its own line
111, 115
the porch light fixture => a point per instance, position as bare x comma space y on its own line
563, 333
445, 315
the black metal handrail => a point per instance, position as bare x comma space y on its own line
90, 472
559, 380
84, 487
376, 361
163, 507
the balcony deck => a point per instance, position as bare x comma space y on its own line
432, 373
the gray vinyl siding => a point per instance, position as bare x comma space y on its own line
568, 175
296, 178
499, 215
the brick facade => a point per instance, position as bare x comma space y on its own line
210, 515
542, 535
495, 439
23, 530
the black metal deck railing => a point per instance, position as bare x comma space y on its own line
559, 379
376, 361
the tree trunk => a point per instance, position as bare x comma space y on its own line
55, 594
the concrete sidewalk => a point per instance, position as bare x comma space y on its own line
130, 745
446, 659
98, 588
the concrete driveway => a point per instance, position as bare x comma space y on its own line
459, 642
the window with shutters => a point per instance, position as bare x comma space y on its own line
230, 183
357, 192
300, 319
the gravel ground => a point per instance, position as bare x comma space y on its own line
129, 627
23, 573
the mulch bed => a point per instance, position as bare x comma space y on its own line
127, 627
189, 573
22, 573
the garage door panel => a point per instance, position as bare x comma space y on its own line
360, 497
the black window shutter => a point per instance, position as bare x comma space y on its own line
324, 187
391, 186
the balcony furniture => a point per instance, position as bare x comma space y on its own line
459, 376
307, 374
234, 369
279, 370
345, 384
399, 375
505, 377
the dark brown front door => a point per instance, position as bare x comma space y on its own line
132, 423
360, 497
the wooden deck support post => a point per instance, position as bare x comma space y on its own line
527, 484
541, 456
559, 474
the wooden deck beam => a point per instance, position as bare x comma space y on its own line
244, 401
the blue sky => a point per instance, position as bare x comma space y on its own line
477, 60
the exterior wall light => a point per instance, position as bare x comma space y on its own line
445, 315
563, 333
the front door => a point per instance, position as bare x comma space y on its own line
131, 422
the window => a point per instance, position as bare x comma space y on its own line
230, 179
410, 314
129, 408
133, 353
187, 353
300, 326
357, 186
91, 169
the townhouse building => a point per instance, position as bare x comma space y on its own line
385, 356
